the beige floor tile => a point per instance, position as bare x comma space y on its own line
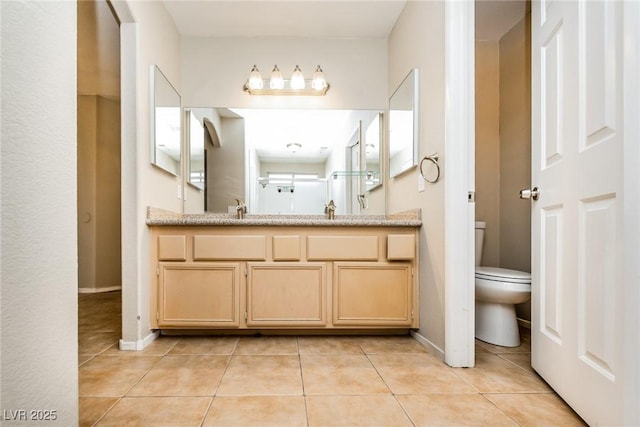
379, 411
453, 410
205, 345
267, 345
96, 342
328, 345
100, 322
113, 376
84, 358
496, 349
542, 409
492, 374
522, 360
157, 412
524, 347
377, 345
91, 409
261, 376
340, 375
263, 411
480, 348
159, 347
418, 374
193, 375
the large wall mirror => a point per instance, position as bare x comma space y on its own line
292, 161
165, 120
403, 126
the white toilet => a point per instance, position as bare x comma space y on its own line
497, 292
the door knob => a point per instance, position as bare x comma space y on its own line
526, 193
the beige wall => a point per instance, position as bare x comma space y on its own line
515, 146
417, 41
488, 147
215, 69
87, 125
99, 257
108, 253
226, 167
98, 50
39, 249
515, 151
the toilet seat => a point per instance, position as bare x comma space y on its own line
503, 275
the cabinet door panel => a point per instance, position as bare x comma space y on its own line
372, 294
291, 294
199, 295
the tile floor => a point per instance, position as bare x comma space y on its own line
300, 381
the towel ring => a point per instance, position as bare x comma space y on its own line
433, 159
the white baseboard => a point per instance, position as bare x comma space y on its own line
139, 344
433, 349
97, 290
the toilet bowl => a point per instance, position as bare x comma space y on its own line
497, 292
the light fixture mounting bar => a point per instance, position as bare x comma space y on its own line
286, 90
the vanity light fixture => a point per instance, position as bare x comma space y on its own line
319, 82
297, 79
277, 81
255, 79
277, 85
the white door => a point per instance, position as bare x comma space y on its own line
577, 222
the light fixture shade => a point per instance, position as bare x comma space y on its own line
277, 81
255, 79
318, 82
297, 79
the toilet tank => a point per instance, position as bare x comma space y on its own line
480, 227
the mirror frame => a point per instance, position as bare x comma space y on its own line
380, 131
407, 88
156, 79
189, 145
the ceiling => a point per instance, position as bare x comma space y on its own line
320, 18
300, 18
495, 17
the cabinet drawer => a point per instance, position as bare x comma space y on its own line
172, 248
363, 248
286, 248
224, 247
401, 247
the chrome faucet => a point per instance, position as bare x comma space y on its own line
241, 209
330, 209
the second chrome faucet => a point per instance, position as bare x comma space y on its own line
330, 209
241, 209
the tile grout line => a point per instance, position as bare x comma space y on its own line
107, 411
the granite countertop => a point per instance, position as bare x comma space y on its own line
410, 218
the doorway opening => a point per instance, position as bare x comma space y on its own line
503, 135
98, 167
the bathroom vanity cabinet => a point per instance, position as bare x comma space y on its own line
304, 273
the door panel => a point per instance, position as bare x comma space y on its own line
550, 273
577, 222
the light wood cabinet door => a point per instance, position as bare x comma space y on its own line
286, 294
372, 294
202, 295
